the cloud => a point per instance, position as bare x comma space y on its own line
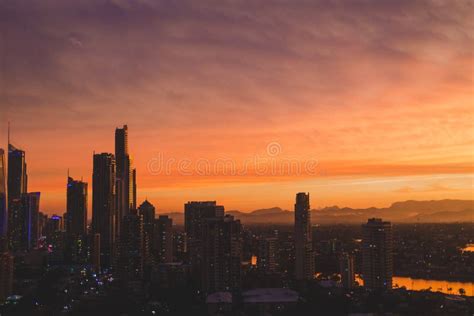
433, 188
366, 87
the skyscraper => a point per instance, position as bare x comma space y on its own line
134, 189
195, 213
346, 269
17, 176
76, 221
163, 241
17, 186
3, 198
304, 257
266, 259
377, 264
103, 208
95, 256
147, 211
6, 259
221, 254
30, 231
130, 256
124, 193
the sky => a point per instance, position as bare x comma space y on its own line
360, 103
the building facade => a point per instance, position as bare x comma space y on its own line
124, 188
221, 254
346, 269
195, 214
17, 187
76, 220
103, 206
267, 255
304, 257
130, 250
163, 241
30, 231
377, 261
3, 197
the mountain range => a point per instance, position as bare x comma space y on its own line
399, 212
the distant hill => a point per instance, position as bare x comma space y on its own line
406, 212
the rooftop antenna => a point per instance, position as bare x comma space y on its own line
68, 173
8, 133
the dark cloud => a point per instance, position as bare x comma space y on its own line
237, 62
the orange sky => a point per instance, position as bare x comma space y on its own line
376, 97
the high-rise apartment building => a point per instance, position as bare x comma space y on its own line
3, 198
17, 187
304, 257
267, 255
163, 241
30, 230
346, 269
195, 214
377, 261
124, 185
103, 206
130, 250
76, 220
221, 254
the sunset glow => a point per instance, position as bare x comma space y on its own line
381, 99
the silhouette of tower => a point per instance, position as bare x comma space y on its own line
377, 264
346, 269
76, 221
17, 186
6, 259
30, 232
3, 198
163, 241
304, 257
103, 208
130, 257
266, 259
147, 211
124, 186
221, 254
195, 213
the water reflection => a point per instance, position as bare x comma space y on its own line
446, 287
468, 248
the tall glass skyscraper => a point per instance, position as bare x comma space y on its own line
17, 187
3, 197
103, 206
76, 221
30, 203
304, 257
124, 186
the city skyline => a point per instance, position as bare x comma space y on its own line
234, 158
380, 98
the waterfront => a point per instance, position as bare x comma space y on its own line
446, 287
468, 248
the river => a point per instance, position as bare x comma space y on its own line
446, 287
